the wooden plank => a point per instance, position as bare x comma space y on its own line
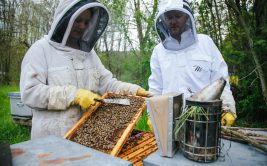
135, 153
136, 159
245, 138
143, 155
247, 128
233, 138
250, 134
133, 143
139, 163
139, 146
127, 132
73, 130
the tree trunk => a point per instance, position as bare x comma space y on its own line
137, 16
218, 23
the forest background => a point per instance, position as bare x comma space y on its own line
238, 28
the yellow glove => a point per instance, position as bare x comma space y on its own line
86, 98
150, 124
143, 92
228, 119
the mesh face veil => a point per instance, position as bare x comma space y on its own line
175, 24
97, 25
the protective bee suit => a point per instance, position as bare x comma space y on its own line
189, 65
52, 72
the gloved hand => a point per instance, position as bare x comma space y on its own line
150, 124
228, 119
86, 98
143, 92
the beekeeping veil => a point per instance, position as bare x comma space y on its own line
65, 15
188, 36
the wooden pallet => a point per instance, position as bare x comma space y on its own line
138, 147
125, 134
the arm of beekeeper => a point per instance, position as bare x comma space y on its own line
33, 82
34, 89
219, 69
155, 79
108, 83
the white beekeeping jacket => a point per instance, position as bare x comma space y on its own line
51, 72
190, 65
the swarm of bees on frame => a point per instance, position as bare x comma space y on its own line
104, 126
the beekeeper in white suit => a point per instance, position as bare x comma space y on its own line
61, 73
185, 61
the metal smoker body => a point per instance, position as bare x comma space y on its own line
200, 138
200, 134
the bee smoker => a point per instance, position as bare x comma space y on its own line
201, 132
199, 136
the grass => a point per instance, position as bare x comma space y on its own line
10, 132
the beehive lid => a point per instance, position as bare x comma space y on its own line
52, 150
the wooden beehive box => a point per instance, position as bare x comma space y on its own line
106, 127
140, 145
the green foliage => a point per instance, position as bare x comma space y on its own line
121, 64
246, 122
10, 132
251, 108
250, 105
22, 23
142, 123
126, 66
